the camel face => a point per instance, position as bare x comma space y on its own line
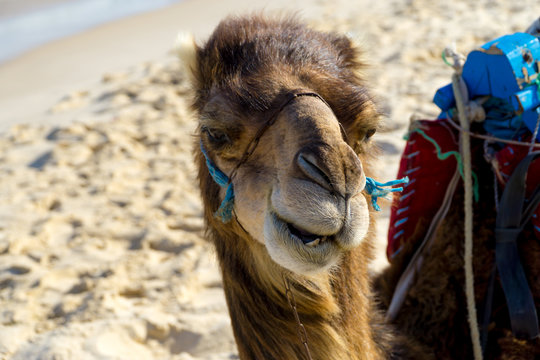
299, 193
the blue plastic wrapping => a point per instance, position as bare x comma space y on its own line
505, 68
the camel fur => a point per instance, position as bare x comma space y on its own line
304, 180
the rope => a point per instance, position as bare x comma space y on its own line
443, 55
459, 59
225, 209
535, 132
376, 189
302, 334
490, 138
446, 155
467, 170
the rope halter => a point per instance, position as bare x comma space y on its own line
373, 188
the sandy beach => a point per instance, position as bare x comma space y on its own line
102, 254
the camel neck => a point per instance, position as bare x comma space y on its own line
334, 309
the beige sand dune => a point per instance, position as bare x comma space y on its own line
102, 253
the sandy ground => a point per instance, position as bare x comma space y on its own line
101, 247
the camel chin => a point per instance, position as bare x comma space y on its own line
313, 247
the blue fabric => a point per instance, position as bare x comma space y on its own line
501, 70
501, 120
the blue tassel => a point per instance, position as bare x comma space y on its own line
225, 209
376, 189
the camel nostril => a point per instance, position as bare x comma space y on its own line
311, 167
336, 169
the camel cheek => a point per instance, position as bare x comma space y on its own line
250, 207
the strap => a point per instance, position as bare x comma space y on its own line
511, 219
488, 305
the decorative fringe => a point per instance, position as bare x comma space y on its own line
225, 209
376, 189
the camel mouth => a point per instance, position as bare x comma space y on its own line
308, 241
306, 237
295, 237
297, 249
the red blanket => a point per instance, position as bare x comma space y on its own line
430, 170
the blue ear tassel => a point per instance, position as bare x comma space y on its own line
376, 189
225, 209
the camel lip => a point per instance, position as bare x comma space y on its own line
300, 235
290, 251
306, 237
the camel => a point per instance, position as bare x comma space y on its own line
285, 121
434, 311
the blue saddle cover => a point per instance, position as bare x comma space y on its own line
507, 69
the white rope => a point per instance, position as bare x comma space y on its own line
535, 134
492, 138
459, 90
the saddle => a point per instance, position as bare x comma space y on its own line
420, 161
503, 82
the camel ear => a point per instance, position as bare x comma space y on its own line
186, 50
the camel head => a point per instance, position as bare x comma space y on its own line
283, 115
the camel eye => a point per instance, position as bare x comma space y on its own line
216, 137
369, 134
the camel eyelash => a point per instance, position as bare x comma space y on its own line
369, 134
215, 136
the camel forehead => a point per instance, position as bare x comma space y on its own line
224, 112
305, 115
253, 59
310, 112
243, 46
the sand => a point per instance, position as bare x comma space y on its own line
102, 254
